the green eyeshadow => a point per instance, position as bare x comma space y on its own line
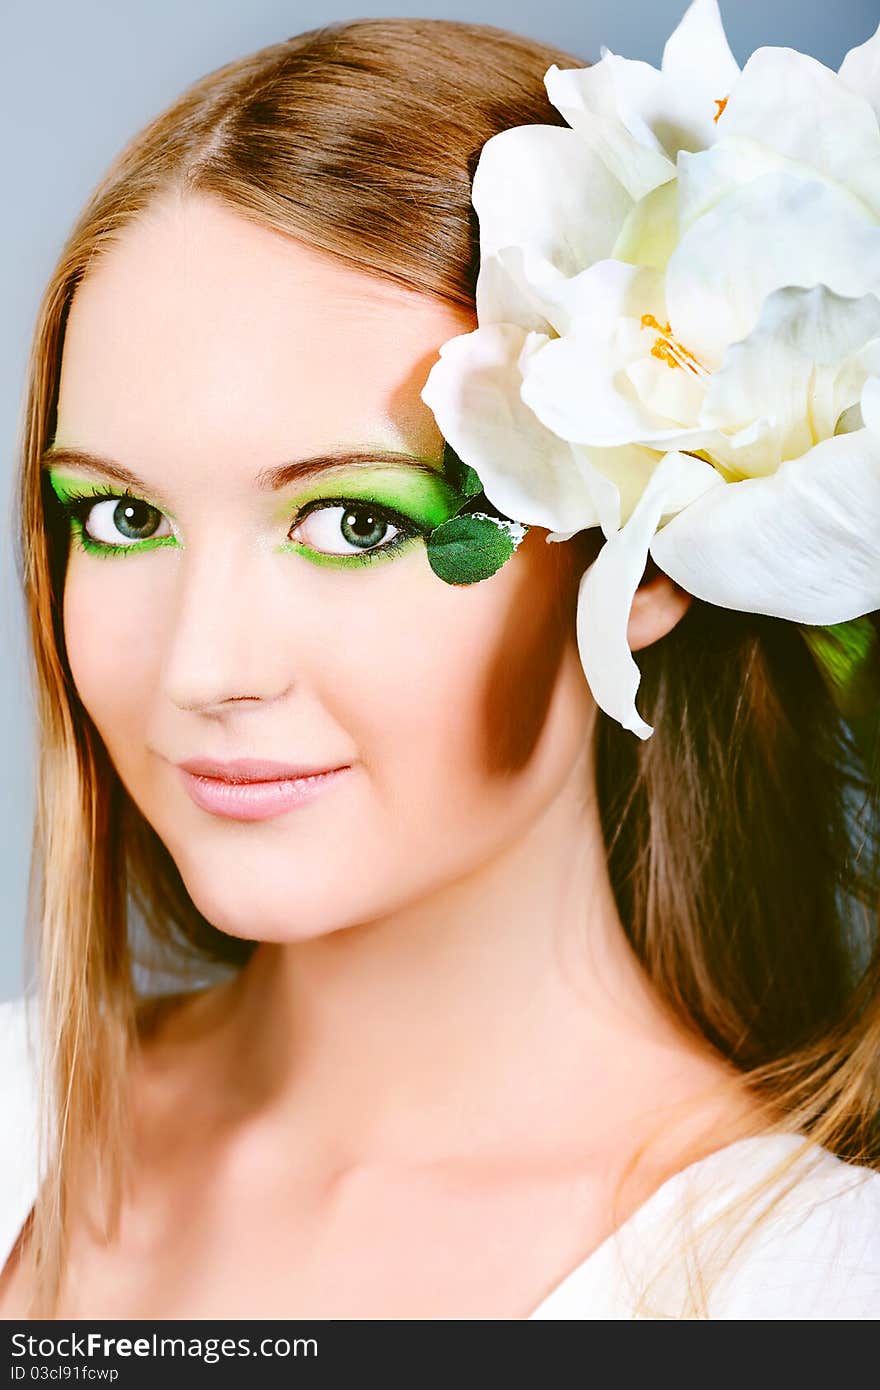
67, 489
420, 496
413, 498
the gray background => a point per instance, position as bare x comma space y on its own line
78, 77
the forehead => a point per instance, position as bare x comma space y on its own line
204, 338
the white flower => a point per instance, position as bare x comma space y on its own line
679, 334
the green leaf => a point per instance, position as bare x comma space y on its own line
460, 474
471, 485
472, 546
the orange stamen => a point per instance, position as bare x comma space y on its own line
721, 105
669, 350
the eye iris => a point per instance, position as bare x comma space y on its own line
363, 527
134, 519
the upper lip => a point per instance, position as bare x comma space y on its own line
251, 769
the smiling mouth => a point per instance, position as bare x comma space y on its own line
254, 799
245, 770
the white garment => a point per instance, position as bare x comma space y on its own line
816, 1255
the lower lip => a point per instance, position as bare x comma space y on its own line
257, 800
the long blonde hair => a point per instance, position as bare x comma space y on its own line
739, 868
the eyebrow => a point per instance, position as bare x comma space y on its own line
267, 480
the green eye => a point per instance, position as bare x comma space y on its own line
351, 529
124, 520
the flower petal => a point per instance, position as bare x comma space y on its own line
579, 385
860, 70
697, 55
639, 117
606, 589
504, 295
840, 139
542, 188
528, 290
668, 393
753, 242
802, 544
870, 404
586, 97
629, 468
710, 175
650, 233
526, 471
787, 371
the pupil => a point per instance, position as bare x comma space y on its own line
362, 527
134, 519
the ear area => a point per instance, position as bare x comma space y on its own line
658, 604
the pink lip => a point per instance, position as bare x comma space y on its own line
249, 769
249, 790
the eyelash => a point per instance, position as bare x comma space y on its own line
77, 510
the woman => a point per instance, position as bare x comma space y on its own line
484, 1007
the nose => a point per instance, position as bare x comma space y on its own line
222, 635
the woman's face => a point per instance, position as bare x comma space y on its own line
231, 619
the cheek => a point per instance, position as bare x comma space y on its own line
113, 646
463, 693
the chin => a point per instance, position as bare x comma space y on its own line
292, 911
